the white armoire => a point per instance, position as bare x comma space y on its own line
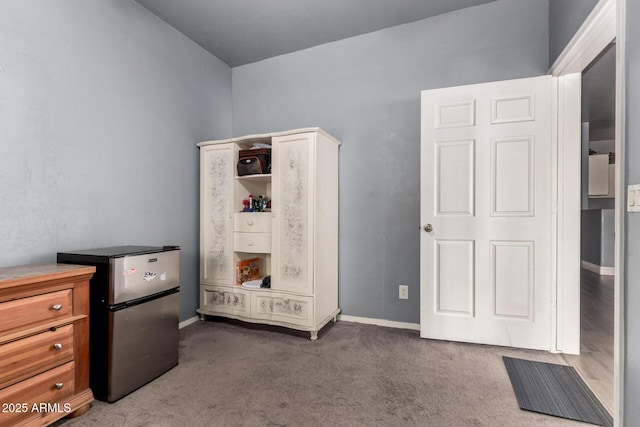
296, 241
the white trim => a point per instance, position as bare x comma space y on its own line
605, 24
595, 33
379, 322
567, 233
555, 297
620, 197
598, 269
188, 322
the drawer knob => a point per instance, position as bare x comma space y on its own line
57, 346
250, 222
250, 242
59, 386
57, 307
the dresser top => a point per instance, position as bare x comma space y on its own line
25, 274
262, 137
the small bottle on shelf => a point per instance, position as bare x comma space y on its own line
251, 207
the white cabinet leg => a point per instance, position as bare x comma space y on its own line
314, 335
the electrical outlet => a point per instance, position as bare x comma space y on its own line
633, 198
403, 292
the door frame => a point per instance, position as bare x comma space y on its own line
605, 23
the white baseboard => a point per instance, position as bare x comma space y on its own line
380, 322
188, 322
598, 269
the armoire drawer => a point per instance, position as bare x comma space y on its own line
225, 300
282, 307
49, 387
29, 356
252, 222
36, 309
252, 242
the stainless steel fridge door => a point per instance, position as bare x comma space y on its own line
144, 344
141, 275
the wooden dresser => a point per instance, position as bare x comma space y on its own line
44, 343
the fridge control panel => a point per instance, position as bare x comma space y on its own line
139, 276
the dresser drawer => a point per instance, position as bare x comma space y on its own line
29, 311
282, 307
252, 242
29, 356
49, 387
234, 301
252, 222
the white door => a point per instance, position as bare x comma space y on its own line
486, 192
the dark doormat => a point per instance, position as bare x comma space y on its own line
555, 390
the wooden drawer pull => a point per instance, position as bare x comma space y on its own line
59, 386
57, 307
250, 222
57, 346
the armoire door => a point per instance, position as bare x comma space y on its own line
292, 205
217, 166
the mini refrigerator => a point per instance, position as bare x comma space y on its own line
133, 320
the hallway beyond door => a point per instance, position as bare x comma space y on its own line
595, 363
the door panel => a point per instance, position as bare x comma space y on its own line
216, 214
455, 277
292, 173
512, 279
512, 176
455, 114
486, 191
455, 178
512, 109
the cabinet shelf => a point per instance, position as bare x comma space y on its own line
255, 178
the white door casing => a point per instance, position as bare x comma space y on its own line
486, 189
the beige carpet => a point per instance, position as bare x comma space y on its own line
234, 374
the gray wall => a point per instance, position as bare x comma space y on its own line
597, 236
604, 203
101, 105
632, 232
366, 91
584, 165
607, 237
590, 236
565, 17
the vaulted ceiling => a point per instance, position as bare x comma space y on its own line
243, 31
240, 32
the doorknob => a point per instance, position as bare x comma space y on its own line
428, 228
